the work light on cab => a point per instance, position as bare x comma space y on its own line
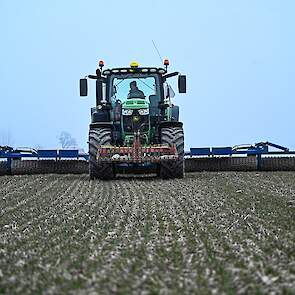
101, 64
134, 65
166, 63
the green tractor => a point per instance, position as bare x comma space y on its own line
134, 126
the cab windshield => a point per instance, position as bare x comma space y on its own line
129, 87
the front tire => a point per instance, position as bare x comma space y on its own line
97, 138
173, 168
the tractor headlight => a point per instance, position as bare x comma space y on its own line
127, 112
143, 112
136, 119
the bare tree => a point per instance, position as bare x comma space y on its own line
67, 141
6, 138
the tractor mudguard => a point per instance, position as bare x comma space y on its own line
101, 125
165, 124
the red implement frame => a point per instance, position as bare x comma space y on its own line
137, 153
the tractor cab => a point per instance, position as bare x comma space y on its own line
135, 97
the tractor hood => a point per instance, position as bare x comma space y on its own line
135, 103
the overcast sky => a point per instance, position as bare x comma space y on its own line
238, 57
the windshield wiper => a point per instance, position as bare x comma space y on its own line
145, 84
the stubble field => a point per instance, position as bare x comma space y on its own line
219, 233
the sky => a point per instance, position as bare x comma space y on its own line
239, 58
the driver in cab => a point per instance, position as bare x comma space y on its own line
134, 92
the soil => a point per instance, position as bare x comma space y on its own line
209, 233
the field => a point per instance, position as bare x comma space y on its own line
213, 232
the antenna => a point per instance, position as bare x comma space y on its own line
157, 51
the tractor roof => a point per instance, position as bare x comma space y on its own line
132, 70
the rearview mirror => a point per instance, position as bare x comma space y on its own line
83, 87
182, 84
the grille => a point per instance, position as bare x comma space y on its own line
130, 124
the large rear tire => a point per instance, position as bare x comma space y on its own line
98, 137
174, 168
